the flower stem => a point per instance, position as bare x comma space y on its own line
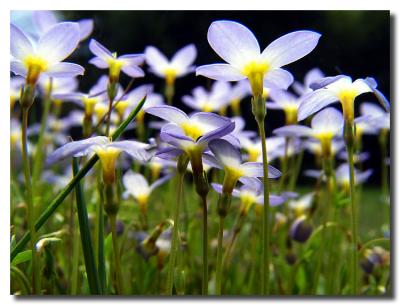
354, 225
175, 241
266, 232
117, 258
384, 168
205, 247
218, 280
29, 200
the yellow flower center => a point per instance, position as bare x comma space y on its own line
290, 114
100, 110
120, 107
114, 66
14, 138
255, 72
155, 170
170, 75
346, 98
326, 143
89, 105
254, 153
35, 65
108, 157
207, 107
192, 130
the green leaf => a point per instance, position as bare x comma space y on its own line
22, 257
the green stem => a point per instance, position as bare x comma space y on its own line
175, 241
205, 247
40, 149
21, 278
53, 205
218, 280
354, 225
384, 168
117, 259
266, 232
86, 240
75, 263
29, 200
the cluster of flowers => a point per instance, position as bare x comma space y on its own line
204, 139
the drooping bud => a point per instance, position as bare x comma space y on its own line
301, 229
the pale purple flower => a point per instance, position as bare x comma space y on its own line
311, 76
358, 158
237, 45
58, 85
44, 20
300, 205
343, 176
209, 101
379, 95
286, 101
314, 147
329, 90
377, 117
178, 66
137, 186
239, 131
251, 192
192, 133
227, 157
30, 58
129, 63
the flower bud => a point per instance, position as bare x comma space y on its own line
301, 229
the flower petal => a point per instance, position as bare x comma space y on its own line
225, 153
133, 71
293, 131
217, 187
20, 45
135, 184
184, 57
44, 20
312, 76
169, 153
168, 113
99, 50
274, 200
279, 78
135, 149
314, 101
325, 81
328, 120
155, 58
222, 72
18, 68
132, 59
361, 86
85, 28
99, 62
233, 42
255, 169
59, 41
211, 160
290, 48
65, 69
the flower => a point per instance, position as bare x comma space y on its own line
300, 205
227, 157
343, 176
179, 65
325, 126
31, 59
106, 150
237, 45
57, 85
377, 118
285, 101
44, 20
209, 101
332, 89
137, 186
190, 134
311, 76
129, 63
251, 192
16, 84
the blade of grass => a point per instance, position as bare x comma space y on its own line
52, 206
87, 246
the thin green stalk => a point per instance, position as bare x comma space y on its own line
117, 258
29, 200
101, 261
354, 226
40, 149
218, 280
384, 168
175, 240
266, 232
84, 227
53, 205
205, 247
75, 263
295, 175
284, 166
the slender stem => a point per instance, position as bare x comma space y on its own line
117, 258
266, 232
205, 247
284, 165
75, 262
21, 278
354, 225
384, 168
29, 201
175, 240
218, 280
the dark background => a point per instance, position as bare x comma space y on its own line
356, 43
